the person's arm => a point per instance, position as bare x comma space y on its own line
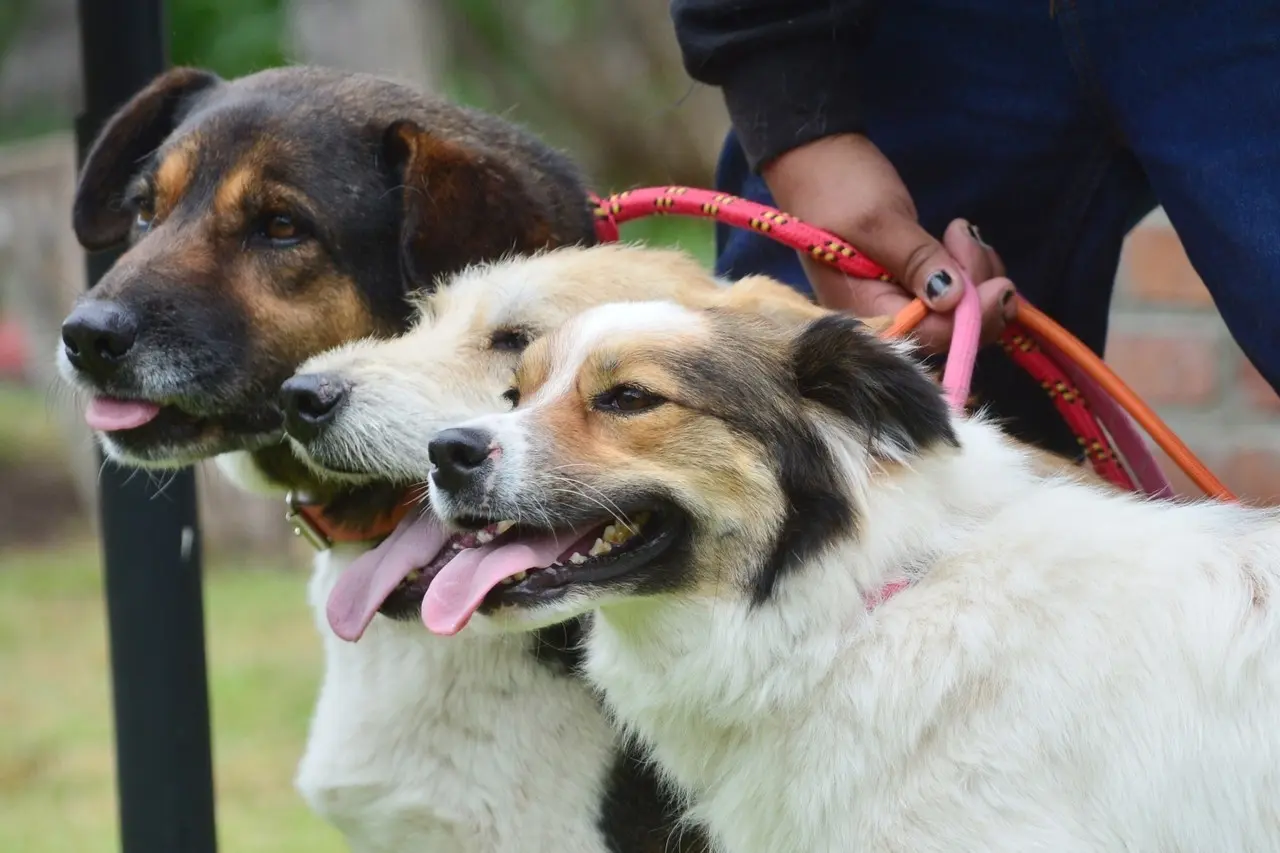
784, 66
786, 69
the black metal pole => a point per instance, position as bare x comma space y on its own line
150, 541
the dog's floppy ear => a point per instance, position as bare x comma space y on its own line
460, 206
840, 365
762, 295
758, 294
137, 129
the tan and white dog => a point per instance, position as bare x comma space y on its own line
738, 498
478, 725
385, 400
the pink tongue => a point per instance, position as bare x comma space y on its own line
368, 581
107, 415
462, 584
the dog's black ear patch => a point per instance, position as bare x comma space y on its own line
134, 132
460, 206
745, 380
818, 507
840, 365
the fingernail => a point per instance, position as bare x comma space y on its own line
1009, 306
938, 284
977, 236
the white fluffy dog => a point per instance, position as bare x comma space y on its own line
476, 744
843, 618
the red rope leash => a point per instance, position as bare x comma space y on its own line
1022, 339
1071, 406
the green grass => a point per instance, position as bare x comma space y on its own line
56, 766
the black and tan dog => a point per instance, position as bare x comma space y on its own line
268, 219
284, 213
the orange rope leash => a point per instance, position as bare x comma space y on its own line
907, 319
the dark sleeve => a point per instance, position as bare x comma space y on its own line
785, 66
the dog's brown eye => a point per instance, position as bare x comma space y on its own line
512, 396
277, 231
509, 340
145, 213
627, 399
280, 227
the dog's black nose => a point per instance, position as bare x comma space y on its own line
97, 336
459, 456
311, 402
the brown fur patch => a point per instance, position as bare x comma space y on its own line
471, 204
533, 369
762, 295
172, 178
231, 192
293, 329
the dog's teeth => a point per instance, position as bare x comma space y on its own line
484, 537
617, 534
578, 559
600, 547
504, 526
518, 576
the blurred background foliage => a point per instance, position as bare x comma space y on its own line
11, 15
603, 80
232, 37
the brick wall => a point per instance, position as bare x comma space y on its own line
1169, 344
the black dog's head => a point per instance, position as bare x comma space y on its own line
268, 219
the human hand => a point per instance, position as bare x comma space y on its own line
843, 184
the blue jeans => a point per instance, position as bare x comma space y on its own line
1055, 134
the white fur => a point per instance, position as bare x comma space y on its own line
596, 326
424, 745
420, 745
1075, 670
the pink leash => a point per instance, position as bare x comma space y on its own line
957, 377
957, 380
